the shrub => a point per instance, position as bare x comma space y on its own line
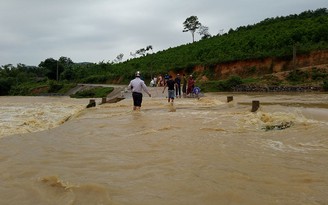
230, 83
297, 76
22, 90
5, 86
209, 86
325, 85
95, 79
234, 80
54, 86
318, 74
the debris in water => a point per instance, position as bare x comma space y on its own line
280, 126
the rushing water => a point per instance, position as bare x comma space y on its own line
204, 151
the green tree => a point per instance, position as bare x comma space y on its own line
51, 66
203, 31
142, 51
65, 62
191, 24
5, 85
119, 58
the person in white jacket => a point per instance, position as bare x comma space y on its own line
137, 86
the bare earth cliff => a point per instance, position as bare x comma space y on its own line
260, 67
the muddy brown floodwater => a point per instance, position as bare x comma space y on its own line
204, 151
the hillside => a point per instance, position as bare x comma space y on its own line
276, 51
270, 65
267, 45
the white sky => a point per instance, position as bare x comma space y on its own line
99, 30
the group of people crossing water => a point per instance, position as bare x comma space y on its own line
183, 87
174, 87
178, 87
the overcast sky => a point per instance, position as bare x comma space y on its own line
99, 30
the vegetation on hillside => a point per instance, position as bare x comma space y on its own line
309, 77
272, 37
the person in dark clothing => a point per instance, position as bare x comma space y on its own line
166, 78
178, 86
184, 85
170, 84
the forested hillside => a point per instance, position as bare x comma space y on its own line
275, 38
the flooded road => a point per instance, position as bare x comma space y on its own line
204, 151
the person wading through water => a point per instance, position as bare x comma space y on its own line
137, 85
170, 84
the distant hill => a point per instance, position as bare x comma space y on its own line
290, 50
275, 38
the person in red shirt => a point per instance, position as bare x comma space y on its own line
191, 85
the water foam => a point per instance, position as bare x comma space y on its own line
76, 194
33, 117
